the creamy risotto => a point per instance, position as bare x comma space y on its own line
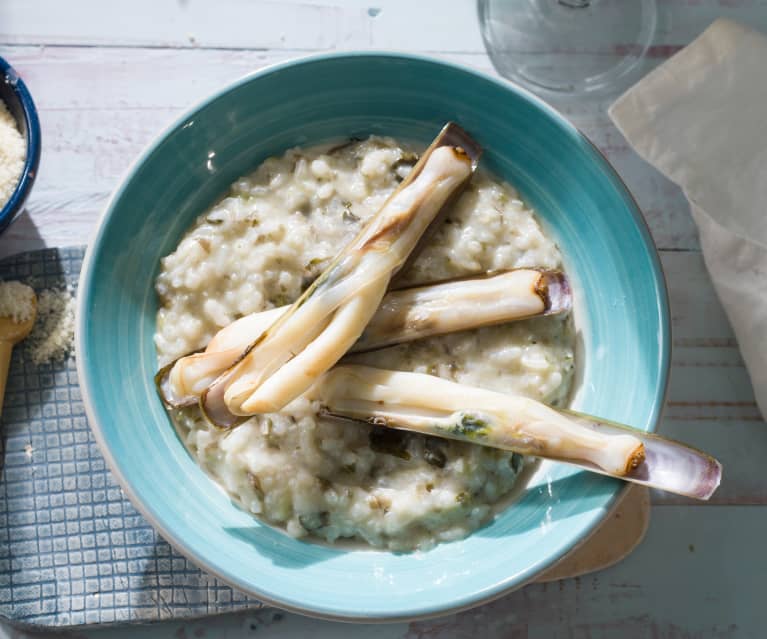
260, 247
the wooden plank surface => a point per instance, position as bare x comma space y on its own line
95, 68
99, 107
424, 25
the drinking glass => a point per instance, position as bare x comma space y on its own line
567, 46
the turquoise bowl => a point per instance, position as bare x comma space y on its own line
622, 317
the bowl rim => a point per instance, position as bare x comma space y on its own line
33, 139
417, 612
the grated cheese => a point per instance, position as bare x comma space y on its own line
17, 301
12, 154
53, 334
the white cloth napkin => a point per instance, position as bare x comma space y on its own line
701, 119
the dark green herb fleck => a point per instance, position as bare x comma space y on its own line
434, 452
271, 440
470, 427
342, 147
314, 263
389, 441
348, 216
407, 159
314, 521
255, 485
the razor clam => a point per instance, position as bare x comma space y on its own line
435, 406
181, 382
321, 326
436, 309
404, 315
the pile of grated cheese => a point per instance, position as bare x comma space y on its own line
12, 154
17, 301
53, 335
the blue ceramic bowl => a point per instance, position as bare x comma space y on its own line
622, 317
17, 98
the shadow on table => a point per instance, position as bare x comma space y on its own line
173, 587
39, 464
21, 235
281, 550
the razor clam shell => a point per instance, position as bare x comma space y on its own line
212, 404
165, 390
393, 324
668, 465
450, 135
552, 287
214, 408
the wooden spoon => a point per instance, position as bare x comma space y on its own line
11, 333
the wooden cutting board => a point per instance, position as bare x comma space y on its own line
611, 542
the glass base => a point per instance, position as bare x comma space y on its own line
567, 46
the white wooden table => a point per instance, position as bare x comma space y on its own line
107, 76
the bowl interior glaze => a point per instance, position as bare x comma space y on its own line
622, 317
